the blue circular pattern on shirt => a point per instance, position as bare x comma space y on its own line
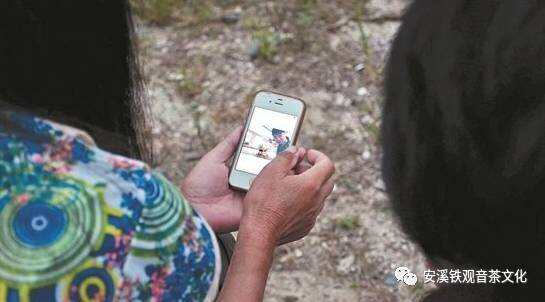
153, 189
39, 224
88, 291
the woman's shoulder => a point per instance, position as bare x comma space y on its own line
83, 218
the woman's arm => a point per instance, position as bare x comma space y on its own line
250, 265
280, 207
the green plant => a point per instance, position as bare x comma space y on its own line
164, 12
305, 12
348, 223
267, 44
371, 70
155, 11
198, 116
190, 76
190, 82
374, 131
201, 10
304, 19
252, 22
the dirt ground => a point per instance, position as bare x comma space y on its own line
203, 60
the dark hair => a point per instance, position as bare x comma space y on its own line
464, 133
74, 62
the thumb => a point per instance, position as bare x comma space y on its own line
284, 162
225, 149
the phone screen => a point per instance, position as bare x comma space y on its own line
269, 133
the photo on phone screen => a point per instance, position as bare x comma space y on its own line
269, 133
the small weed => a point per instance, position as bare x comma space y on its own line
190, 79
189, 86
374, 131
165, 12
348, 223
252, 23
154, 11
371, 70
198, 114
305, 12
202, 11
304, 19
267, 42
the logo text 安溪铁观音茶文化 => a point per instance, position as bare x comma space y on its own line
463, 276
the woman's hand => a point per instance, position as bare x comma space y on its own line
207, 188
287, 196
281, 206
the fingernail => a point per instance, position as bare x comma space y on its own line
292, 149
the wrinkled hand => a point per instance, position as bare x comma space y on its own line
207, 187
287, 196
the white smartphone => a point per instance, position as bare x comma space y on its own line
272, 126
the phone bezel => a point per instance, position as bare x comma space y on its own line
267, 100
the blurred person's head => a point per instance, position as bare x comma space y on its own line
464, 137
73, 61
279, 136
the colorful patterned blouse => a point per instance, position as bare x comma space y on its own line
80, 224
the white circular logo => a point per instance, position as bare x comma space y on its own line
400, 272
403, 274
410, 279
